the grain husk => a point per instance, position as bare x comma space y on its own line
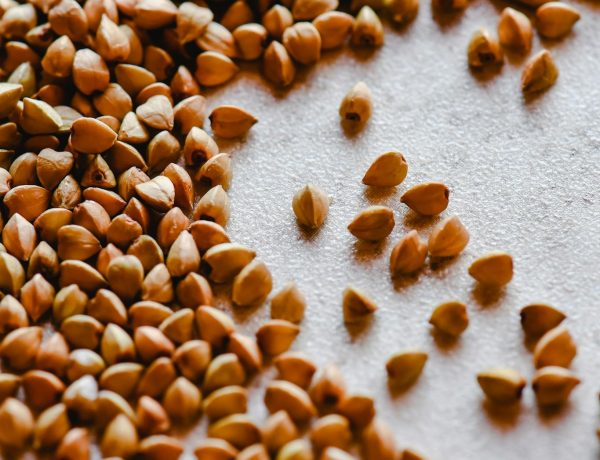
367, 29
514, 30
12, 275
215, 448
282, 395
449, 238
331, 431
217, 38
120, 438
237, 429
311, 206
493, 269
75, 444
288, 304
107, 307
358, 409
19, 348
553, 385
537, 319
408, 255
151, 418
192, 359
90, 72
214, 326
250, 40
192, 21
224, 370
377, 442
329, 388
51, 426
357, 106
226, 401
216, 171
91, 136
80, 397
19, 237
160, 447
116, 345
296, 450
54, 355
277, 65
132, 130
16, 423
276, 336
157, 285
238, 13
555, 19
230, 121
83, 362
121, 378
502, 385
334, 28
276, 20
190, 112
182, 400
555, 348
213, 206
303, 42
540, 73
427, 199
214, 68
12, 314
405, 367
307, 10
77, 242
198, 147
36, 296
42, 389
450, 318
483, 50
164, 148
295, 367
252, 285
247, 350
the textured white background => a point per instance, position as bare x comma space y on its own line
524, 178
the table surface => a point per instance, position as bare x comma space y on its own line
524, 178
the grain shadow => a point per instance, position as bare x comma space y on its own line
486, 74
402, 282
399, 391
439, 264
530, 342
446, 20
366, 251
363, 53
378, 195
503, 416
307, 234
446, 343
418, 222
553, 414
487, 296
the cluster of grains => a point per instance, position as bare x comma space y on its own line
554, 351
109, 251
106, 237
554, 20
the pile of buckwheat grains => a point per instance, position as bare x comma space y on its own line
109, 254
